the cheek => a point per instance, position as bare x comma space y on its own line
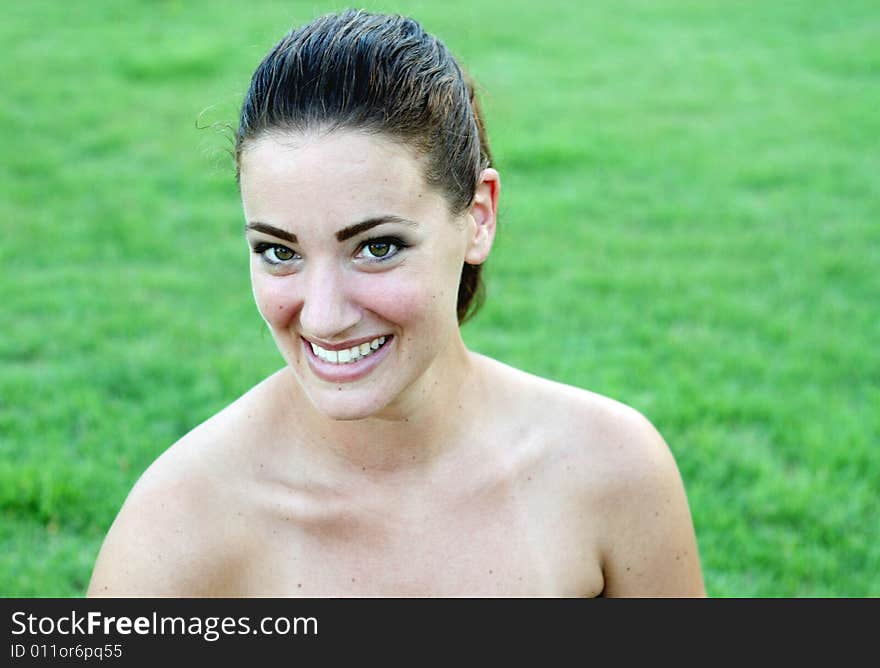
388, 297
421, 304
410, 298
275, 300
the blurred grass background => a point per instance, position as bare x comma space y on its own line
690, 224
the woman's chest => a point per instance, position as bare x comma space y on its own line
513, 543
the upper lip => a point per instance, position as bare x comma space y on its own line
346, 344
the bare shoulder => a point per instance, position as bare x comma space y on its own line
597, 426
625, 476
178, 532
649, 545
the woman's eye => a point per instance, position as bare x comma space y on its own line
380, 249
281, 253
274, 253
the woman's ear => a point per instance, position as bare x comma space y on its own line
482, 217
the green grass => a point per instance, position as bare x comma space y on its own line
691, 215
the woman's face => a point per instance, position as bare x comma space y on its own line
355, 264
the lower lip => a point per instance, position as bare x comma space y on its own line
350, 372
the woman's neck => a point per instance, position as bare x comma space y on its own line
429, 420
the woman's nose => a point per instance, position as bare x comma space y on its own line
327, 310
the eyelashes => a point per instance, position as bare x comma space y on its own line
274, 254
374, 251
381, 249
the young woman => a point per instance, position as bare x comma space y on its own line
386, 459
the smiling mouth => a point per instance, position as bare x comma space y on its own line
348, 355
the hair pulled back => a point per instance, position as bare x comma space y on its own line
384, 74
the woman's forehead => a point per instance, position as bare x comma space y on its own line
343, 174
338, 154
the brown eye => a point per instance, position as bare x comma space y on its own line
274, 254
379, 248
283, 254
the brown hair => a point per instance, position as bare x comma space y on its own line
384, 74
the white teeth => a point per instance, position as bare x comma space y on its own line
348, 355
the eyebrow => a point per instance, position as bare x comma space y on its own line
342, 235
272, 230
357, 228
